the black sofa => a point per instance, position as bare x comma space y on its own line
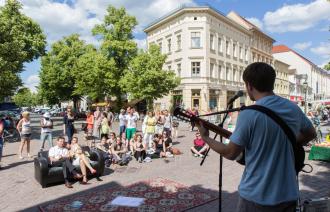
45, 174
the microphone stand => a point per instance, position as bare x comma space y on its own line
228, 109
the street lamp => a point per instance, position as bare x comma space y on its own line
305, 86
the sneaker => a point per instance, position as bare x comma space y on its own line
195, 155
21, 157
147, 160
201, 156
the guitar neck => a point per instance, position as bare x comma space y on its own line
214, 128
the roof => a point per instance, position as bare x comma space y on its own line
283, 48
184, 8
251, 25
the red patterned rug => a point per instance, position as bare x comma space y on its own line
159, 194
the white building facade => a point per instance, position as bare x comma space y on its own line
317, 79
207, 50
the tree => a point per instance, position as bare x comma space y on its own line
57, 75
146, 79
21, 40
94, 75
25, 98
327, 67
116, 33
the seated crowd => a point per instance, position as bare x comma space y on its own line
155, 141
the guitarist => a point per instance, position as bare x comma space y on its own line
269, 180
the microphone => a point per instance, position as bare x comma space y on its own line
237, 95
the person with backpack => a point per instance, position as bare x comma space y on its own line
46, 131
269, 181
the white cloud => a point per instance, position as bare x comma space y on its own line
256, 22
32, 82
322, 50
302, 46
61, 19
297, 17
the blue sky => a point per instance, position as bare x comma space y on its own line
301, 25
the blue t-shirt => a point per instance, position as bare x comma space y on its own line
269, 177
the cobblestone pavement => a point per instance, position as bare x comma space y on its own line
20, 191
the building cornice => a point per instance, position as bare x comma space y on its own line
199, 9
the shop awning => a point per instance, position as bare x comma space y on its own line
101, 104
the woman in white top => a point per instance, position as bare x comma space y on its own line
24, 128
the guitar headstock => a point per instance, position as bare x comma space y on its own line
182, 114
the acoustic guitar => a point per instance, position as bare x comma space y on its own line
184, 115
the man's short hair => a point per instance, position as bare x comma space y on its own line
261, 76
60, 137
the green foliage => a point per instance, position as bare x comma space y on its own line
146, 79
21, 40
116, 33
57, 75
327, 67
25, 98
9, 82
95, 75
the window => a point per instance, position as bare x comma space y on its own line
195, 18
196, 40
160, 47
178, 42
211, 70
246, 55
234, 74
195, 69
169, 45
212, 42
240, 53
169, 68
227, 48
220, 45
219, 72
178, 68
234, 50
227, 73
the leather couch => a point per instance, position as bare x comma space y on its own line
45, 174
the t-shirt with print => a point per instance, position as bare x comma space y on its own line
269, 177
131, 121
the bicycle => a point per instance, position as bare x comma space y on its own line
11, 135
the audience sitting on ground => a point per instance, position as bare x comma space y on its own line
112, 138
104, 147
158, 144
80, 159
167, 146
139, 148
118, 151
125, 141
200, 147
59, 156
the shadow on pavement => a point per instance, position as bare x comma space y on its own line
318, 184
12, 165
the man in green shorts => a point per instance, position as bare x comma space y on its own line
131, 120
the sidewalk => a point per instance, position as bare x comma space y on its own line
20, 191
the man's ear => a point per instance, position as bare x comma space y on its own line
248, 86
